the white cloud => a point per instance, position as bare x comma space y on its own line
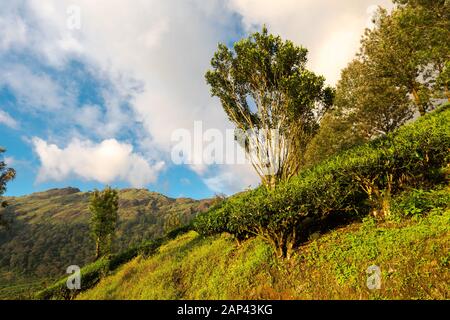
166, 46
35, 91
14, 32
232, 178
330, 30
7, 120
104, 162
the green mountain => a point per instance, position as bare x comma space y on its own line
49, 231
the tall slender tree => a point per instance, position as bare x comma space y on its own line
104, 207
6, 175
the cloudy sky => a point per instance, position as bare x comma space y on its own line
93, 101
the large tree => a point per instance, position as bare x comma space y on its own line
273, 100
403, 66
375, 104
6, 175
410, 48
104, 207
365, 107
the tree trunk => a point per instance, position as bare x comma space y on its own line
418, 102
97, 249
447, 93
270, 181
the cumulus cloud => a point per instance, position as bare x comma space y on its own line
231, 178
105, 162
14, 32
331, 30
35, 91
165, 46
7, 120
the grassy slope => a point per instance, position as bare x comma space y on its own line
413, 256
49, 231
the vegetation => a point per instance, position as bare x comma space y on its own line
402, 69
267, 92
50, 230
6, 175
412, 254
354, 183
92, 273
346, 185
409, 49
104, 206
408, 239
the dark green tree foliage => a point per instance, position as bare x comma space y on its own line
336, 134
429, 21
410, 48
263, 83
359, 181
403, 67
6, 175
365, 107
104, 207
375, 106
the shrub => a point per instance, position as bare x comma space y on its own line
213, 221
92, 273
353, 181
417, 202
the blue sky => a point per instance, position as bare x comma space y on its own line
90, 93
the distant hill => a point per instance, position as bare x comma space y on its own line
49, 230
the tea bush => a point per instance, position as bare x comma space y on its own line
92, 273
357, 181
417, 201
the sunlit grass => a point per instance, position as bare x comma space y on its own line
413, 256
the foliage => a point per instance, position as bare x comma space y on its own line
50, 231
267, 92
92, 273
413, 258
6, 175
403, 67
374, 105
418, 201
362, 178
409, 49
337, 133
103, 206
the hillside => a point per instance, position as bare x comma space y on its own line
341, 230
413, 256
49, 231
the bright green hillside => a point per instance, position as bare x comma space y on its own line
414, 258
410, 245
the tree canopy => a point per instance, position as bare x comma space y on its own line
403, 67
6, 175
409, 49
104, 207
272, 98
